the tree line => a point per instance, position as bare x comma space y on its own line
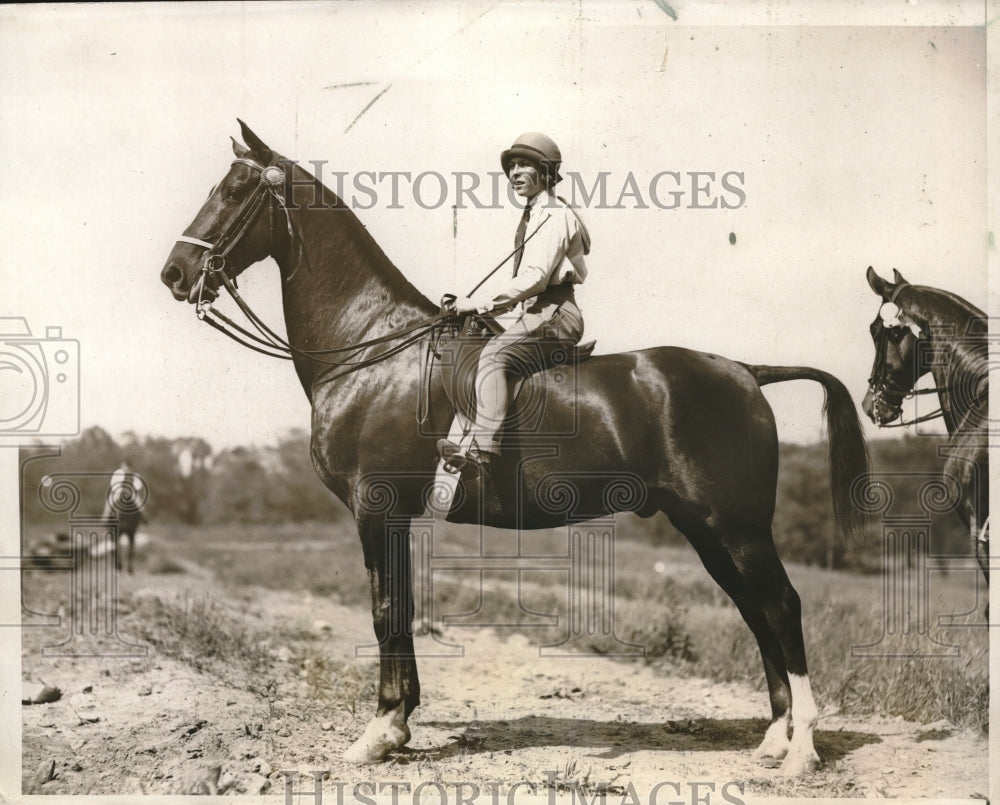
190, 483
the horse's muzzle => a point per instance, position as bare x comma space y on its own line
878, 410
174, 278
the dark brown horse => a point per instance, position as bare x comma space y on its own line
921, 330
691, 431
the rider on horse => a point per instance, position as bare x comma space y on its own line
550, 243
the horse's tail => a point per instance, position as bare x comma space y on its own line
848, 454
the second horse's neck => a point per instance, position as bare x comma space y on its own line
958, 356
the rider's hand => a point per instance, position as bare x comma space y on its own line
465, 305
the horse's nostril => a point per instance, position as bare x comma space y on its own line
171, 275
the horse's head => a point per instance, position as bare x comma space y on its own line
235, 228
898, 362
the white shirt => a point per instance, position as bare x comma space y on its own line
555, 243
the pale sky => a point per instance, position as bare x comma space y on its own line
861, 145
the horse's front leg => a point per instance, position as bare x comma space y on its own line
387, 558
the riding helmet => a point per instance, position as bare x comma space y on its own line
538, 148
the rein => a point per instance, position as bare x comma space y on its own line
266, 341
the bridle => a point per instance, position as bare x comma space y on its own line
879, 384
267, 342
268, 192
214, 262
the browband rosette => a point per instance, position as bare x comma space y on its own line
889, 312
273, 176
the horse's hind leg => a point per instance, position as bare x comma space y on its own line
387, 558
722, 568
745, 563
767, 584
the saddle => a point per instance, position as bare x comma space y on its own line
452, 357
450, 360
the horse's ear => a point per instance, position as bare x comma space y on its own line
257, 146
898, 277
239, 149
882, 287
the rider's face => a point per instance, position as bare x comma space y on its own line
525, 177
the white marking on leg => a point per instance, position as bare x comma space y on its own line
776, 742
801, 757
383, 734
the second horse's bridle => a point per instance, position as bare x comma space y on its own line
879, 384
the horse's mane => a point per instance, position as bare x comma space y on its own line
969, 342
955, 299
365, 248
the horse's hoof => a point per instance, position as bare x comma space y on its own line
775, 744
763, 753
799, 765
374, 748
383, 734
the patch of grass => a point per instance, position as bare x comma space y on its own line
722, 646
333, 681
322, 559
579, 779
198, 633
541, 612
159, 565
922, 689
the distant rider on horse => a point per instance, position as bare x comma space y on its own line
550, 243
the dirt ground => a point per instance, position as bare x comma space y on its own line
496, 717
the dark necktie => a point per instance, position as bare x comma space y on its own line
519, 237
